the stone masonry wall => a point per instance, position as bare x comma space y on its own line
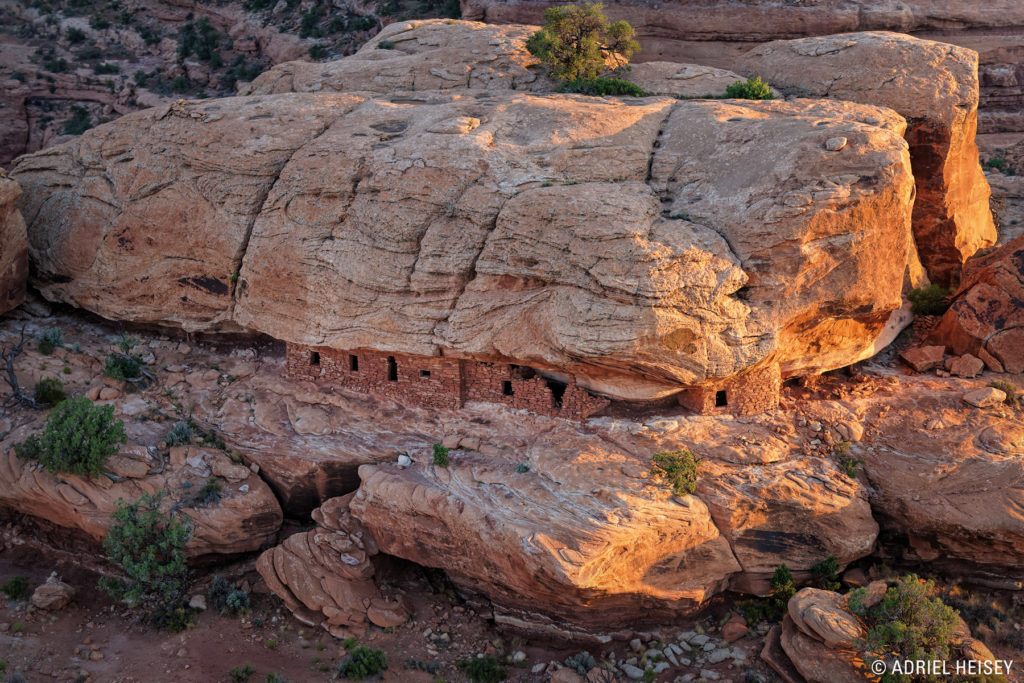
748, 394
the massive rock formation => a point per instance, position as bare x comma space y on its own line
13, 247
717, 32
640, 245
987, 315
444, 54
935, 86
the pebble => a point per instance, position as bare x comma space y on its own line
633, 672
698, 639
636, 645
719, 655
709, 675
538, 668
835, 144
519, 656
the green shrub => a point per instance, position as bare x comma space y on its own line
75, 35
122, 367
224, 597
79, 122
275, 678
210, 494
385, 45
522, 468
678, 468
51, 339
751, 89
362, 662
1008, 388
240, 674
602, 87
18, 627
574, 41
440, 455
179, 435
78, 438
49, 391
826, 574
149, 546
106, 68
16, 587
773, 607
316, 51
930, 300
841, 453
484, 669
581, 663
909, 623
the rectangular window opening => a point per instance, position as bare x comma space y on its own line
425, 374
721, 399
314, 358
392, 369
506, 388
353, 362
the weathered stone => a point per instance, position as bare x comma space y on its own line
817, 662
986, 318
822, 615
446, 245
935, 85
924, 358
985, 397
13, 247
967, 366
53, 595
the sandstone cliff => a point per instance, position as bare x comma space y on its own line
717, 33
935, 86
13, 247
638, 244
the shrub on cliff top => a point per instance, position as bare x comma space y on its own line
574, 41
440, 455
603, 86
678, 468
751, 89
78, 438
930, 300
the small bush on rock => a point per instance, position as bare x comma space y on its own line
16, 587
225, 598
909, 623
49, 391
1008, 388
440, 455
51, 339
826, 574
180, 434
484, 669
78, 438
930, 300
149, 546
123, 366
361, 663
574, 41
602, 87
678, 468
751, 89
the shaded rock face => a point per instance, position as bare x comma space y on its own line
986, 318
611, 240
443, 54
13, 247
717, 33
935, 86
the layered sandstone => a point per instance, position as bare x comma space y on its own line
443, 54
717, 33
935, 86
13, 247
986, 318
638, 245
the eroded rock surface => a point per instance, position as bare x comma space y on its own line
934, 85
443, 221
987, 315
13, 247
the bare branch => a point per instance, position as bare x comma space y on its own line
8, 354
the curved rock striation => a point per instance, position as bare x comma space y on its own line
13, 247
935, 86
614, 240
986, 318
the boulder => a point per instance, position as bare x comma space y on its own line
554, 231
985, 397
325, 576
816, 661
935, 86
822, 615
53, 595
924, 358
986, 318
243, 519
966, 366
13, 247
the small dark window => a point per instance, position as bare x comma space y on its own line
314, 358
506, 388
353, 362
392, 369
721, 399
425, 374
